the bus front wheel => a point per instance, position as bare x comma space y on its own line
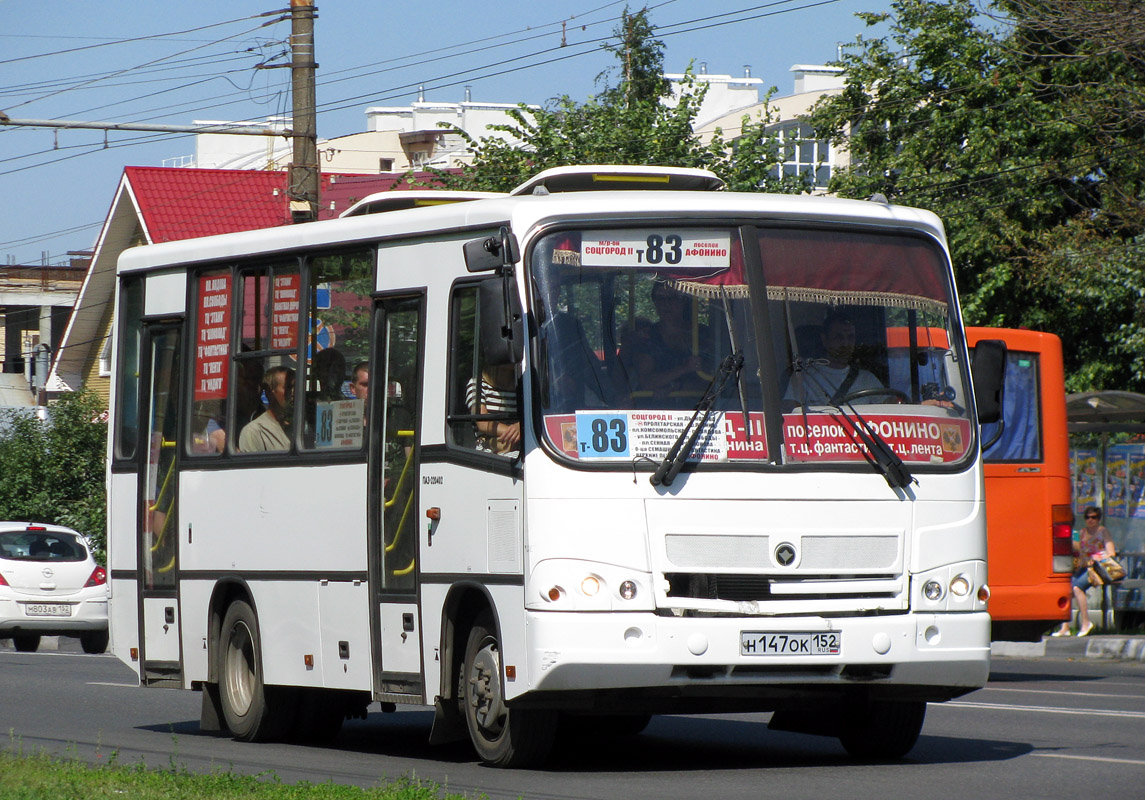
883, 729
502, 737
253, 711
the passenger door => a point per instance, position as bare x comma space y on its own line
395, 474
158, 512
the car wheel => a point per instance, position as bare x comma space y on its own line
883, 730
93, 641
502, 737
253, 711
26, 642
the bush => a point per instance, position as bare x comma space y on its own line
52, 469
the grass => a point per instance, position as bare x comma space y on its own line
40, 776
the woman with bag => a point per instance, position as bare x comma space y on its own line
1094, 545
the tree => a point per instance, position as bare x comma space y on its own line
1042, 205
634, 121
53, 468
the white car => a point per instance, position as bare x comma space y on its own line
50, 586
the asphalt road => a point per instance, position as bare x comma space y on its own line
1042, 728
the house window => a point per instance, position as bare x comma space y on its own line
804, 154
105, 357
385, 165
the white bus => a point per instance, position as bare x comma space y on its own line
566, 457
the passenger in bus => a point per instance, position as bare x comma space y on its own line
575, 376
270, 430
829, 379
330, 372
660, 352
360, 380
495, 393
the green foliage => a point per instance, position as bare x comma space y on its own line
1011, 143
53, 469
41, 777
635, 121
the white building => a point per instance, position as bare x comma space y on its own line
730, 100
396, 139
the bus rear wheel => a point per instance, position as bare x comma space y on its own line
502, 737
883, 729
253, 711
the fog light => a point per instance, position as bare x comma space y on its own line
960, 586
932, 590
590, 586
628, 590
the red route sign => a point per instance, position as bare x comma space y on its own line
213, 342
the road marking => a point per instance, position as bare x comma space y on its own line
1059, 691
1096, 712
120, 685
1091, 758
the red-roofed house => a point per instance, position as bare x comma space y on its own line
164, 204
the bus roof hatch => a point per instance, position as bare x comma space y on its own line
618, 177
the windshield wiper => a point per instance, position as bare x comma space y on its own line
878, 452
678, 453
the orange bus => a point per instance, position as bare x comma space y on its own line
1029, 514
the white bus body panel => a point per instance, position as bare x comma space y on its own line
161, 628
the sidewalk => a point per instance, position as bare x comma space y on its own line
1124, 648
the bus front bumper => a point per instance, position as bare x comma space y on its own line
922, 656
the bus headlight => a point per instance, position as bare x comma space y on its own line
932, 590
565, 584
960, 586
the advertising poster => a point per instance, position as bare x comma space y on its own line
1137, 483
1083, 464
1117, 481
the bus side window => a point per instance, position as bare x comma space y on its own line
482, 398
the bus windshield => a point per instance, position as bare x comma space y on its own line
833, 328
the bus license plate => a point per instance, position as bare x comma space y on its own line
761, 643
48, 610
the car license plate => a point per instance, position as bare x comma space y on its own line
48, 610
762, 643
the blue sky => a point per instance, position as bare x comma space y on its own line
172, 63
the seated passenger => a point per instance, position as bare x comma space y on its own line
271, 429
659, 352
495, 394
827, 381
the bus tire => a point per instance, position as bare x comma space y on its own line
502, 737
26, 642
94, 642
253, 711
883, 729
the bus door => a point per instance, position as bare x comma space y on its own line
158, 517
395, 390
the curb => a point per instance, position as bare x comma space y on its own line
1122, 648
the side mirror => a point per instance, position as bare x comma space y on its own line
988, 370
492, 252
502, 321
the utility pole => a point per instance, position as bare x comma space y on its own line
302, 187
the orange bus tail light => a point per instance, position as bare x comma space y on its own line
1062, 532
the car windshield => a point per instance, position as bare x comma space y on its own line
633, 325
40, 546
